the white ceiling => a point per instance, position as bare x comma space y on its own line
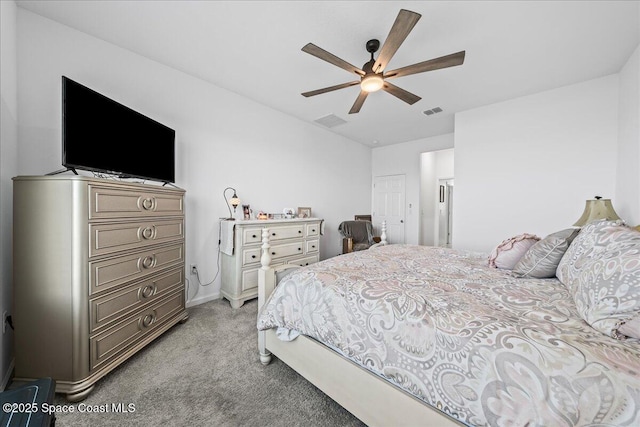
513, 48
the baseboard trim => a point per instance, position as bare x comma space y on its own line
8, 375
202, 299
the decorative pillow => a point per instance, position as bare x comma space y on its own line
542, 259
509, 252
580, 251
602, 273
629, 328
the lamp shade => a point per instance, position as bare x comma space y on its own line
595, 209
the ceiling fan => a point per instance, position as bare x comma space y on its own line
372, 75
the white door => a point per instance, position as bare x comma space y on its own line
388, 205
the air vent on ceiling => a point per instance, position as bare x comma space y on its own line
432, 111
330, 121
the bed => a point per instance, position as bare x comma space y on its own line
414, 335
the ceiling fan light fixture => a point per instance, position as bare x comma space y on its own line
371, 82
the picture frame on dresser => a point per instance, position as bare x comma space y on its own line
304, 212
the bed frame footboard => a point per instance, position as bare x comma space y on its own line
370, 398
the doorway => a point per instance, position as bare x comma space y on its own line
436, 169
445, 212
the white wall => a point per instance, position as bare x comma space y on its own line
529, 164
628, 177
404, 159
8, 168
222, 139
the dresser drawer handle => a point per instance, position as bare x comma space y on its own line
147, 291
299, 231
254, 236
273, 234
147, 233
273, 253
148, 261
253, 256
148, 203
313, 230
147, 320
299, 249
313, 246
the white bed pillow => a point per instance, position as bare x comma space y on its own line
509, 252
542, 259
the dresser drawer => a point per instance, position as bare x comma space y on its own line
313, 230
107, 202
303, 262
287, 232
117, 339
115, 305
288, 249
117, 271
109, 238
313, 246
249, 279
251, 235
251, 256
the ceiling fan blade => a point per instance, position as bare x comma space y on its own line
430, 65
399, 93
318, 52
330, 88
404, 23
359, 101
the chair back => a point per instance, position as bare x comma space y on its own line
359, 231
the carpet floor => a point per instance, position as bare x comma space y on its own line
206, 372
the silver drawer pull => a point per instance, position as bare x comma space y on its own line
147, 233
148, 203
147, 320
147, 291
147, 262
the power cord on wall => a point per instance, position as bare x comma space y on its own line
200, 284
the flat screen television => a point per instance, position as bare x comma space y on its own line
102, 135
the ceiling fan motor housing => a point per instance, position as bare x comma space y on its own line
373, 46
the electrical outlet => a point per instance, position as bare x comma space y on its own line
194, 269
5, 314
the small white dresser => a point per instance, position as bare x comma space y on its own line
293, 241
98, 274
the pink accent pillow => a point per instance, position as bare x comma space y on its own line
507, 254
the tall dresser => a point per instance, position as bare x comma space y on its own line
98, 274
293, 241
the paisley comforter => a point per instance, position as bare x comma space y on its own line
479, 344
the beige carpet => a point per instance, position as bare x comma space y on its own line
207, 373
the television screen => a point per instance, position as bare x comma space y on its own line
102, 135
